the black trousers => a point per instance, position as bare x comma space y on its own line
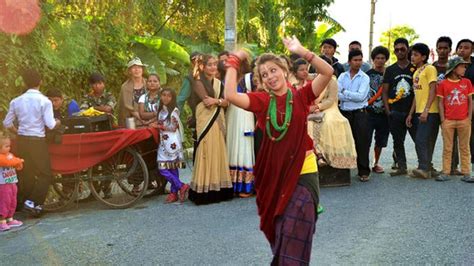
36, 176
358, 119
399, 130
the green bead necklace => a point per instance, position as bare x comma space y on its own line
272, 116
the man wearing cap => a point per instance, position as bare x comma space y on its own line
328, 49
455, 110
131, 91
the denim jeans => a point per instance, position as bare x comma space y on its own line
426, 135
398, 129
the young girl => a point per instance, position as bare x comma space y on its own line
8, 188
148, 102
286, 178
170, 150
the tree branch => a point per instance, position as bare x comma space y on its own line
172, 14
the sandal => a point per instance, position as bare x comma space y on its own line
364, 178
378, 169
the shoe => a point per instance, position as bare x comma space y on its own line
378, 169
364, 178
399, 172
15, 223
468, 179
394, 166
4, 227
183, 192
442, 178
245, 195
30, 207
172, 197
322, 162
419, 173
455, 172
320, 209
435, 173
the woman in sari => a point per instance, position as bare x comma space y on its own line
331, 131
211, 180
286, 178
240, 142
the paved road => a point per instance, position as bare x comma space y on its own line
385, 221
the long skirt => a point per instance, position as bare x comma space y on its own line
240, 148
333, 139
211, 180
294, 230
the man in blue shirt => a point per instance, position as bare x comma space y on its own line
353, 99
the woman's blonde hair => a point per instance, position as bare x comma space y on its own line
269, 57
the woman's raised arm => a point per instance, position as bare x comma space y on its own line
324, 70
230, 87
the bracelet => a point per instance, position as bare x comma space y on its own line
309, 56
233, 62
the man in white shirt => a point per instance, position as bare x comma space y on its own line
33, 111
353, 100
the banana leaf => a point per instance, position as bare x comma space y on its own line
163, 47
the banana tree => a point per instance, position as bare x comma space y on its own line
163, 56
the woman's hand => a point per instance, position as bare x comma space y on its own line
293, 45
209, 101
241, 54
314, 108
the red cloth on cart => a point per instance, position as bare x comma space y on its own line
81, 151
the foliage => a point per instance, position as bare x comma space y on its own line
400, 31
77, 37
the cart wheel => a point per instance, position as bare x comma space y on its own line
62, 192
121, 180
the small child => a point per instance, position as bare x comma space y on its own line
8, 188
170, 149
455, 109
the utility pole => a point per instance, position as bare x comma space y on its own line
230, 34
371, 31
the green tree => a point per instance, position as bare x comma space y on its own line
400, 31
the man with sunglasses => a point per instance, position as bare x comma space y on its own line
398, 97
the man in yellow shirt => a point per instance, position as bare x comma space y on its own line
425, 107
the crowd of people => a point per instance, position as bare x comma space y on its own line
263, 126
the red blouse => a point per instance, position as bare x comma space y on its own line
278, 164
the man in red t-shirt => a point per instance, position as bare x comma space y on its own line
455, 109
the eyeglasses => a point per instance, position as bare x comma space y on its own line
400, 50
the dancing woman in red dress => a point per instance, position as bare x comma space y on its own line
286, 178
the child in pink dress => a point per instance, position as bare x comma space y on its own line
8, 188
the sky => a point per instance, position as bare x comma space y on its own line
430, 19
